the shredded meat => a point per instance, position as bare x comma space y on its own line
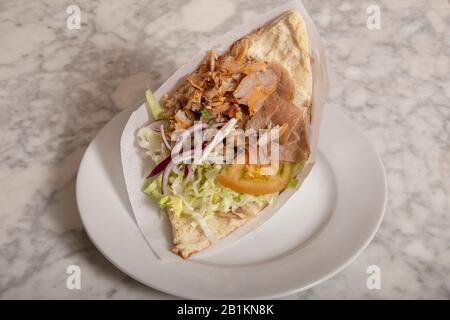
255, 88
220, 89
257, 93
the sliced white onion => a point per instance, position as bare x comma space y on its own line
183, 157
163, 136
173, 166
155, 125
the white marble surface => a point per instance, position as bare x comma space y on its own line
56, 92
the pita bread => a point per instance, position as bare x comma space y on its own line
283, 41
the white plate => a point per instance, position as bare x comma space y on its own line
317, 233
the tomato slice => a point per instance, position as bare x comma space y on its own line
246, 178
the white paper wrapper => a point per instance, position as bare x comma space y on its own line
154, 224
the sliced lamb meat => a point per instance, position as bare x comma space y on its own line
233, 66
220, 108
292, 152
295, 136
261, 118
288, 114
297, 148
299, 128
255, 88
268, 94
286, 87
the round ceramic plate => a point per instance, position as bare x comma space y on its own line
316, 233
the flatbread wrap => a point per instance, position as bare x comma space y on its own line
261, 86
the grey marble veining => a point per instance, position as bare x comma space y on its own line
57, 89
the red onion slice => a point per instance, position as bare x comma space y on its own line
160, 167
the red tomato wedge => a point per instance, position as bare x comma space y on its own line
246, 178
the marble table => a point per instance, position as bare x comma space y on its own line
58, 87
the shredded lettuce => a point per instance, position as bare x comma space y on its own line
200, 194
150, 141
153, 105
204, 114
152, 187
293, 183
175, 204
